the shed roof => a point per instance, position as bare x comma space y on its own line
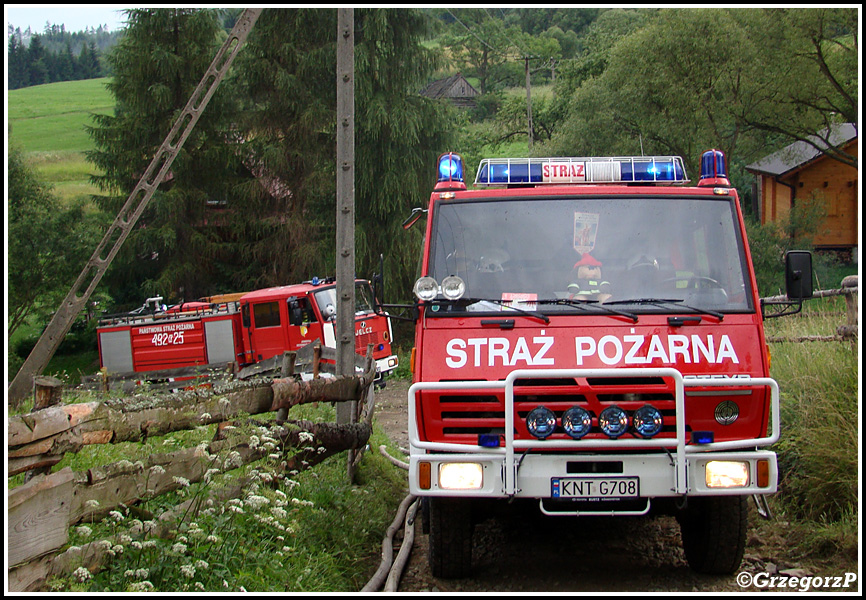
438, 88
800, 153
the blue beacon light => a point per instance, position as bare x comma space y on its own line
713, 169
450, 172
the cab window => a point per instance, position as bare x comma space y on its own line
266, 314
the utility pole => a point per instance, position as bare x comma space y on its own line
528, 101
346, 411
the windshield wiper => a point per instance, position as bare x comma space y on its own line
677, 301
585, 304
468, 301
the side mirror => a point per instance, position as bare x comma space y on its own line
417, 213
798, 274
798, 285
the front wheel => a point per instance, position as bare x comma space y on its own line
714, 529
450, 541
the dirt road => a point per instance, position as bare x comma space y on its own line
530, 553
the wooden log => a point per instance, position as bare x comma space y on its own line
38, 516
47, 391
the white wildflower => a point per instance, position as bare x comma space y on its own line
201, 564
205, 417
84, 531
305, 437
234, 459
81, 574
188, 571
141, 586
116, 515
92, 504
157, 470
179, 548
278, 512
181, 481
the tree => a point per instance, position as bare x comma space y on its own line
807, 78
47, 244
287, 74
482, 49
37, 62
18, 77
690, 80
175, 250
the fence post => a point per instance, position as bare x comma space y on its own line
47, 392
850, 289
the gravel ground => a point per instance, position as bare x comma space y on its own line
527, 552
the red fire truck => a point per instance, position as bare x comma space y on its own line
590, 338
246, 329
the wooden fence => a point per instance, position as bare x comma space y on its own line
41, 510
847, 331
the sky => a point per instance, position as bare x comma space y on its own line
75, 18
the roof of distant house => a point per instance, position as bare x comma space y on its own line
439, 87
800, 153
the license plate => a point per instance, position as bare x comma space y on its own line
595, 487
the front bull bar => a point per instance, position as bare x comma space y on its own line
417, 447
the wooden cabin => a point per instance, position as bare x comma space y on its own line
455, 89
800, 172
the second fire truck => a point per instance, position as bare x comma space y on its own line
243, 329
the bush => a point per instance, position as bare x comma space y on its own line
818, 449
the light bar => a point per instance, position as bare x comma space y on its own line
626, 169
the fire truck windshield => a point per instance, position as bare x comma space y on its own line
327, 300
645, 254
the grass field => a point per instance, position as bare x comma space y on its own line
47, 122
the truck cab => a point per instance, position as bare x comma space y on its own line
289, 317
590, 339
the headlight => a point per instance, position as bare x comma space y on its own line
541, 421
426, 288
453, 287
647, 420
577, 422
613, 421
727, 474
460, 476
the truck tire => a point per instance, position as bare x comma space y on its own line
450, 541
714, 529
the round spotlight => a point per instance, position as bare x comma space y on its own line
577, 422
613, 421
426, 288
453, 287
647, 420
541, 422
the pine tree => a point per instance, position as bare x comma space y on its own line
174, 251
289, 75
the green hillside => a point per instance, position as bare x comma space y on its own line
47, 122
